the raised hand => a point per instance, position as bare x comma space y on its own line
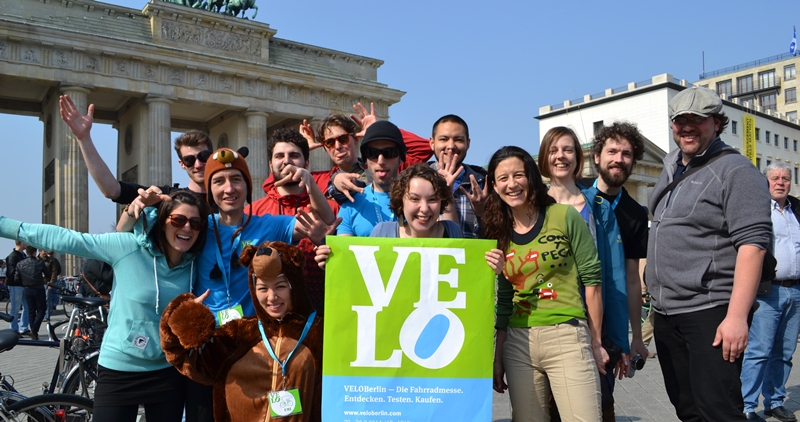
449, 169
79, 124
312, 226
364, 119
478, 196
293, 173
343, 182
146, 198
308, 132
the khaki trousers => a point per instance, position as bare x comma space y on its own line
557, 359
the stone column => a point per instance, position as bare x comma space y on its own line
257, 160
159, 153
318, 159
72, 202
643, 194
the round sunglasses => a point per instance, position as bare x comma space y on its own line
179, 221
189, 160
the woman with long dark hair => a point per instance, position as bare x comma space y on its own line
151, 268
545, 340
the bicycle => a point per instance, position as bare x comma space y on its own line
42, 408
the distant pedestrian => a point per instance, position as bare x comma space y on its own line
33, 274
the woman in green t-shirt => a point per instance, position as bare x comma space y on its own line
545, 340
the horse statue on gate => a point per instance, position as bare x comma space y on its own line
195, 4
217, 5
235, 6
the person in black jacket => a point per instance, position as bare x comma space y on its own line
97, 279
33, 274
15, 289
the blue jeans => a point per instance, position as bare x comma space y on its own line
17, 300
773, 338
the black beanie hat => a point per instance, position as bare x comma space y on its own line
384, 130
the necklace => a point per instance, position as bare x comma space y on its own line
532, 218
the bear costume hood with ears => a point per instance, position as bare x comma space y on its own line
267, 261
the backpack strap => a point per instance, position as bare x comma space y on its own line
692, 170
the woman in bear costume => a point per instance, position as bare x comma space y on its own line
234, 358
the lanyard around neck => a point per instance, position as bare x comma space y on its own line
378, 212
225, 268
616, 199
299, 341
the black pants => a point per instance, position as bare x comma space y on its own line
701, 385
199, 402
37, 306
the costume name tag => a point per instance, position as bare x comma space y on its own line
226, 315
284, 403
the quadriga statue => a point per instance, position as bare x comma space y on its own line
235, 6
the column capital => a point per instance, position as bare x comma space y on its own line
66, 89
256, 112
154, 99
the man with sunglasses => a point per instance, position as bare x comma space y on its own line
710, 231
384, 151
193, 148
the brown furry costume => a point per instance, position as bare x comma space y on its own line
233, 358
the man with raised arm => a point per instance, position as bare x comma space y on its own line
295, 190
193, 148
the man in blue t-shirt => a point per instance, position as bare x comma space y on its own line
384, 150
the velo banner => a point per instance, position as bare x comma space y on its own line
409, 330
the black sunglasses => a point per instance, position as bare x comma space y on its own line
374, 153
189, 160
330, 143
179, 221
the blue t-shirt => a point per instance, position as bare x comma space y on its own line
361, 216
260, 229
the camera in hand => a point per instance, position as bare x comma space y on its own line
636, 364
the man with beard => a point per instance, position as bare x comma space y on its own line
710, 232
294, 189
616, 149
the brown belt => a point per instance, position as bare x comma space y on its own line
786, 283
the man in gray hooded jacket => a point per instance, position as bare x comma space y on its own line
707, 242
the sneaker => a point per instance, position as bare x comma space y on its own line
34, 336
25, 333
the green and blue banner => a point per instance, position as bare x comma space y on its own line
409, 330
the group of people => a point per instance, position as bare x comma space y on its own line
27, 276
214, 289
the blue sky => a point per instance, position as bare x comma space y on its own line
492, 63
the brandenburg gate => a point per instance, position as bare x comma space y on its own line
165, 68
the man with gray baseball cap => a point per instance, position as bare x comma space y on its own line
710, 231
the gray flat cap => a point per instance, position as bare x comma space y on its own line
695, 100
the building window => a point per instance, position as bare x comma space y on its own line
758, 163
794, 144
598, 126
767, 138
795, 175
768, 102
766, 79
769, 162
789, 72
776, 139
725, 87
733, 127
791, 95
792, 115
785, 142
758, 134
744, 84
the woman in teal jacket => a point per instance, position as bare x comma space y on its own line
150, 269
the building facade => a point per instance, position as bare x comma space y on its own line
646, 104
770, 84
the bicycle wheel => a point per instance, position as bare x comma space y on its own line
53, 407
73, 383
67, 308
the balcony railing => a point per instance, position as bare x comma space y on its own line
771, 59
758, 86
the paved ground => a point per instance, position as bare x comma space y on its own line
641, 398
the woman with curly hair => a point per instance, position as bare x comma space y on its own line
545, 340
